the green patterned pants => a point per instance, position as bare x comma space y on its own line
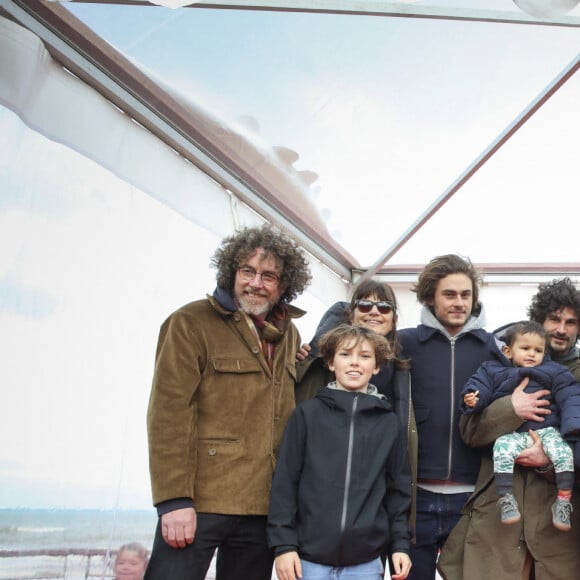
508, 447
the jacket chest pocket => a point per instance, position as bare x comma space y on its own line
227, 376
236, 365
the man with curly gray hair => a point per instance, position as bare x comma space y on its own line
222, 392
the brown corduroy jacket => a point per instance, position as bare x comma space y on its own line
216, 412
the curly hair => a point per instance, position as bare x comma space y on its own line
552, 297
381, 291
346, 333
238, 247
439, 268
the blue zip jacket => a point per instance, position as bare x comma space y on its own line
341, 491
440, 366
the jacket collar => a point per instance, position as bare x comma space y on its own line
568, 356
371, 390
339, 399
563, 359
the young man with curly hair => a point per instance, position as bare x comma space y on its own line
222, 392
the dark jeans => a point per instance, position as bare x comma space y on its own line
240, 541
437, 514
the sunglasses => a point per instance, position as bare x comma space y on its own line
365, 306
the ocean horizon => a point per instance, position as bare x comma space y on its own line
30, 529
68, 544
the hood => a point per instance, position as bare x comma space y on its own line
564, 359
476, 321
336, 398
371, 390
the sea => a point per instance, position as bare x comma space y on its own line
80, 544
41, 544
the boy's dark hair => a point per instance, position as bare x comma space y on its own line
552, 297
442, 266
238, 247
330, 342
523, 327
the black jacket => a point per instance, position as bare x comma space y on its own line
342, 488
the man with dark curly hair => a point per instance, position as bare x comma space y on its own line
480, 547
556, 306
222, 392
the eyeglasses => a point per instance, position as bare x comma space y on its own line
365, 306
248, 273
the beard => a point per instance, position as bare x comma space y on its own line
563, 346
253, 307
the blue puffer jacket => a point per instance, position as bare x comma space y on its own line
440, 366
497, 378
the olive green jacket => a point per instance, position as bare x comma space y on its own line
216, 412
480, 547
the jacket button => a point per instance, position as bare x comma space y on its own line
255, 350
212, 452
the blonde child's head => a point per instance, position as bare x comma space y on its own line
131, 562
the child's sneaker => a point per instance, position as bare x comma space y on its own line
510, 514
561, 512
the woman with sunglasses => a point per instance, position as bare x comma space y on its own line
373, 305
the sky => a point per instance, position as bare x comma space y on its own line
387, 112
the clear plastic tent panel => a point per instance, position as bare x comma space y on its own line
85, 283
385, 111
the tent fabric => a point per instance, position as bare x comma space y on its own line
63, 108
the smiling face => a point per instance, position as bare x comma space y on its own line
562, 328
453, 302
527, 350
253, 296
129, 565
380, 323
353, 365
